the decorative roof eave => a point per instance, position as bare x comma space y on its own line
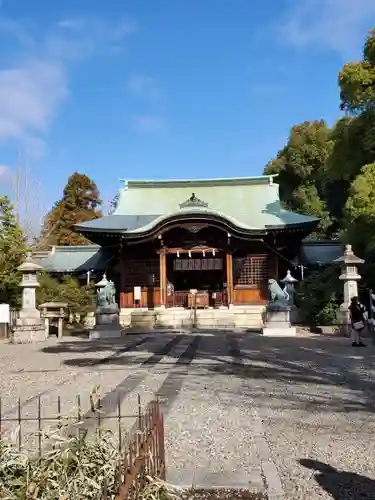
163, 223
308, 225
188, 212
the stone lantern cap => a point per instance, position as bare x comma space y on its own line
289, 278
29, 266
349, 257
103, 282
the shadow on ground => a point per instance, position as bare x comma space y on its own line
341, 485
304, 361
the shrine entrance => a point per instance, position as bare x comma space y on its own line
196, 278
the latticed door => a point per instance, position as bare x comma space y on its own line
251, 270
250, 278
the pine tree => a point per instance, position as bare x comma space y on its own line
80, 203
12, 252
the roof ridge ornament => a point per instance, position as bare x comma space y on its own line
193, 201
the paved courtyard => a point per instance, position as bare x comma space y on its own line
298, 413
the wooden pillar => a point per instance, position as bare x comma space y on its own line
273, 265
230, 289
277, 266
123, 301
163, 277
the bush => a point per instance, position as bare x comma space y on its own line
320, 295
80, 298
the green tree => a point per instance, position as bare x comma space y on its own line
13, 250
357, 80
301, 169
353, 136
80, 298
353, 145
319, 296
80, 203
360, 210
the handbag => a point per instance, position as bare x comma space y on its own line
358, 325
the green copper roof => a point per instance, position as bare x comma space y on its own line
321, 252
250, 203
92, 257
76, 259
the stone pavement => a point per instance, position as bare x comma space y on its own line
241, 409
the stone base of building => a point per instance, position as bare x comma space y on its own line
237, 317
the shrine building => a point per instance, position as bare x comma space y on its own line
204, 242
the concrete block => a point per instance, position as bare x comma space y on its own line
98, 334
271, 331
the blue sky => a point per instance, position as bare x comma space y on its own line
164, 88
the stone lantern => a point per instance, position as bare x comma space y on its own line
350, 277
29, 327
289, 282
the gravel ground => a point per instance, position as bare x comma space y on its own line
208, 429
64, 370
238, 407
316, 399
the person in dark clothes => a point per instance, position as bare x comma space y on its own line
357, 320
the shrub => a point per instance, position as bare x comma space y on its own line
80, 298
319, 296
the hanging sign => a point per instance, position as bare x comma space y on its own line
208, 264
137, 293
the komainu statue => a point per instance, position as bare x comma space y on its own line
106, 296
279, 297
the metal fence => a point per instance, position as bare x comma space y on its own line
141, 448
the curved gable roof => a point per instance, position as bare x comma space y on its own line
249, 204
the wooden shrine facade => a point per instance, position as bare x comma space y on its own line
196, 265
182, 243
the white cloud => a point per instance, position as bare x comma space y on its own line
33, 88
143, 85
29, 96
149, 124
6, 173
79, 37
337, 25
99, 28
7, 179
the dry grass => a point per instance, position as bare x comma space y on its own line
74, 468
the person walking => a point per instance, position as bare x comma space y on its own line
357, 320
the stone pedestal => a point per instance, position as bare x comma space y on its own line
107, 323
29, 327
278, 322
28, 330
